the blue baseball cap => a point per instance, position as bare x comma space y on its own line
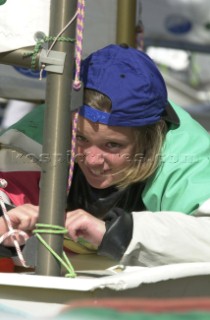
132, 82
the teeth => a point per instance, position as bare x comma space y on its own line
96, 172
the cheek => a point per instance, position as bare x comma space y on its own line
79, 154
78, 149
119, 160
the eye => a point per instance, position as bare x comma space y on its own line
113, 145
80, 138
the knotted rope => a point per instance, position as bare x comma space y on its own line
12, 233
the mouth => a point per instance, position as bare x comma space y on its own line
99, 173
96, 172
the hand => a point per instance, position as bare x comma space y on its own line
82, 224
23, 218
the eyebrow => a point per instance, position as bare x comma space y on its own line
122, 139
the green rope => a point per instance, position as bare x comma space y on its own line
39, 45
52, 229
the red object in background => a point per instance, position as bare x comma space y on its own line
6, 265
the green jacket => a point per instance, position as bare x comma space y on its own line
182, 182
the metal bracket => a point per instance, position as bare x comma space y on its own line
53, 61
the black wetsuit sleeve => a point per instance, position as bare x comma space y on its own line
119, 229
6, 252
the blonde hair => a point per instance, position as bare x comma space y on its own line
148, 141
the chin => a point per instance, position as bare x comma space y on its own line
100, 184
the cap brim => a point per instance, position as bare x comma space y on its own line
170, 115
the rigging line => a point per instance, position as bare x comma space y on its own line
12, 233
60, 33
54, 41
79, 43
73, 150
54, 229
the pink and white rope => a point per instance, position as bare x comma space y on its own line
73, 149
12, 232
79, 42
77, 82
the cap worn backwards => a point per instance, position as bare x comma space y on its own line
132, 82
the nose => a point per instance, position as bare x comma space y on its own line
94, 156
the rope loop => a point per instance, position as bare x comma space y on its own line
55, 229
40, 228
49, 228
12, 233
39, 45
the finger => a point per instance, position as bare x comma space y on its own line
76, 224
24, 217
73, 216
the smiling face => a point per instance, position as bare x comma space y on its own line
103, 152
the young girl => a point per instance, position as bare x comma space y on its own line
141, 180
